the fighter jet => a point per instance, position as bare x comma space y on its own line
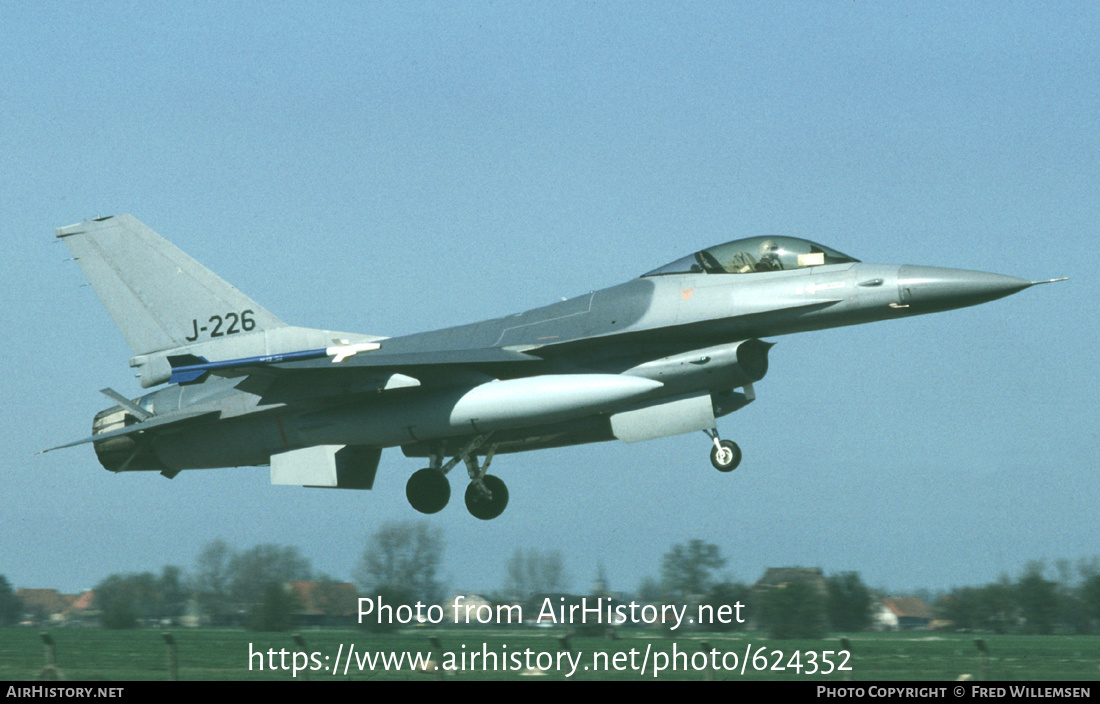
663, 354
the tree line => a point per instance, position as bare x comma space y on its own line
1032, 603
401, 562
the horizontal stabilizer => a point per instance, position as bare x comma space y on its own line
154, 422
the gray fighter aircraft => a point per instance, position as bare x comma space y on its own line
663, 354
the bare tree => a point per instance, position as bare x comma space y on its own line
254, 571
210, 580
403, 557
686, 570
130, 600
534, 571
227, 582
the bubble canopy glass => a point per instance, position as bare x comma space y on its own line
754, 255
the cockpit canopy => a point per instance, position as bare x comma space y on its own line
754, 255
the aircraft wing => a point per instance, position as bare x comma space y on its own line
405, 360
190, 368
325, 373
750, 322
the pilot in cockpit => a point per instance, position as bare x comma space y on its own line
769, 257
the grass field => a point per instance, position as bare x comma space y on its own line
223, 654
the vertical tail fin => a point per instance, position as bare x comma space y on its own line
170, 307
160, 298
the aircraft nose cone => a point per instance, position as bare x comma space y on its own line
928, 288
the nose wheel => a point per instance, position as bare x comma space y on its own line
725, 455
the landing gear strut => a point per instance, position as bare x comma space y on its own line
428, 490
725, 455
487, 495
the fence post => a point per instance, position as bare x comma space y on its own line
51, 670
173, 657
983, 673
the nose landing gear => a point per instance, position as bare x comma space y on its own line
725, 455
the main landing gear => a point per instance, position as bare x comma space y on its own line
725, 455
486, 497
428, 490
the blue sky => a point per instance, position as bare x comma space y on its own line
391, 168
